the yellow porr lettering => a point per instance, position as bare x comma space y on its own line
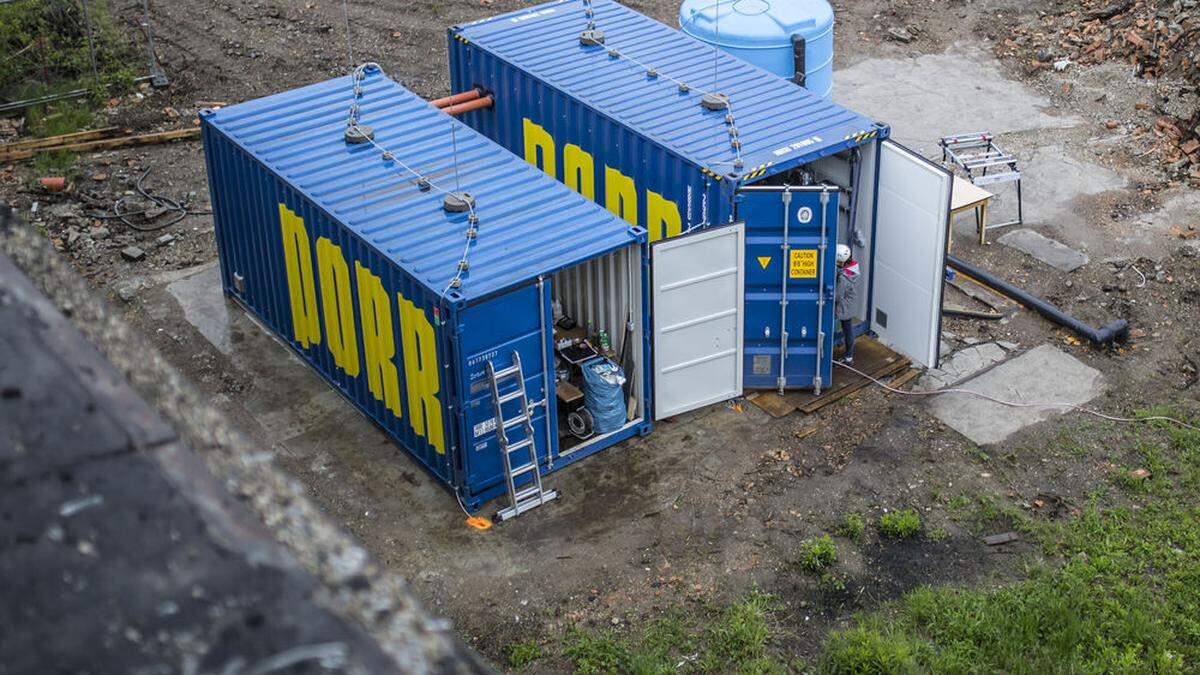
421, 374
379, 342
620, 195
578, 172
297, 258
538, 140
338, 306
662, 217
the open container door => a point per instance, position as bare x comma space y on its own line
698, 288
911, 232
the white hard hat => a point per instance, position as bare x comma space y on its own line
843, 253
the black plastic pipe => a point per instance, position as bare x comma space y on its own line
1114, 331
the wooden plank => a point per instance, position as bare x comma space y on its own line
870, 356
977, 292
904, 378
773, 404
63, 139
110, 143
851, 385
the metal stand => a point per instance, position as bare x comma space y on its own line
976, 154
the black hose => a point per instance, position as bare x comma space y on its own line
1114, 331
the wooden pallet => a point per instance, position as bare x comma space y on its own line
870, 356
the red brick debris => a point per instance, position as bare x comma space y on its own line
1159, 38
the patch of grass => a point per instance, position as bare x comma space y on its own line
851, 527
737, 640
520, 655
1122, 595
817, 553
729, 639
937, 534
46, 42
899, 524
595, 654
872, 647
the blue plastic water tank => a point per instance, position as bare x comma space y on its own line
763, 31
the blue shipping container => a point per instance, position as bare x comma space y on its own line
350, 253
669, 134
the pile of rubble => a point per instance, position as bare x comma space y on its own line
1159, 38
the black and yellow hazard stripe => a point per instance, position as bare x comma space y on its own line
758, 171
862, 136
462, 39
708, 172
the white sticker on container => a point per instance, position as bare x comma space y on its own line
485, 426
804, 215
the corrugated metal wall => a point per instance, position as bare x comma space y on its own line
522, 100
252, 209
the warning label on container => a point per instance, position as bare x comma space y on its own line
803, 263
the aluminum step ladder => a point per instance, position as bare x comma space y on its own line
533, 495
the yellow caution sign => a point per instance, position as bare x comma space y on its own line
802, 263
764, 260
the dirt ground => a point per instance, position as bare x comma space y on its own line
717, 501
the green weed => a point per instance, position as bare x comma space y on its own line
899, 524
851, 527
816, 554
522, 654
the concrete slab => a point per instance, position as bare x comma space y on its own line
203, 303
961, 365
963, 88
1053, 253
1042, 375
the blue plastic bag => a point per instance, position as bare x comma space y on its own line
603, 394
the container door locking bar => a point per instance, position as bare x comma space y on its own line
534, 495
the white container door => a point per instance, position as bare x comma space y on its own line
911, 229
698, 282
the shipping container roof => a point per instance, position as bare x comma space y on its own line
779, 124
529, 224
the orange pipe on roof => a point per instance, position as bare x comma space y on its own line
485, 102
453, 99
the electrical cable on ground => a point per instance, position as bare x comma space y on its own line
148, 223
1014, 404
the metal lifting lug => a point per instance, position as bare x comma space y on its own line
683, 88
651, 73
715, 101
358, 133
423, 185
592, 36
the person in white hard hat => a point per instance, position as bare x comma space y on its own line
844, 296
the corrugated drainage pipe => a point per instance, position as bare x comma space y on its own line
1114, 331
454, 99
485, 102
